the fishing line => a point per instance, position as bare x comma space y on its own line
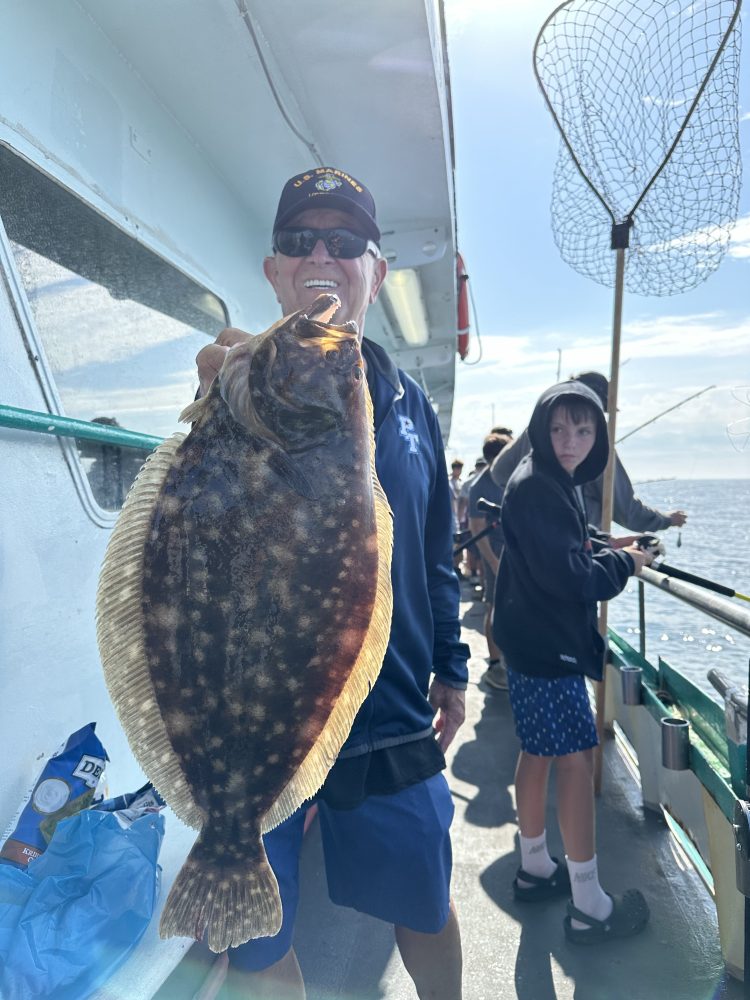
738, 431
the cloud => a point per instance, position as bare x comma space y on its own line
708, 236
687, 336
739, 245
665, 359
536, 353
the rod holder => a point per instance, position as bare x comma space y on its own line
631, 679
675, 743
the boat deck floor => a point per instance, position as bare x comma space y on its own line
516, 950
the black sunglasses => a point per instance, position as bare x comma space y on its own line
298, 241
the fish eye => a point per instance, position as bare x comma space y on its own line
357, 374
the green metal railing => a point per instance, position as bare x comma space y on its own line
20, 419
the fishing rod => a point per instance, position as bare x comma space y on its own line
654, 543
699, 581
668, 410
489, 507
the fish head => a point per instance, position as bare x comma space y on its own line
298, 382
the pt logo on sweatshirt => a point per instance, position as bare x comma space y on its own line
406, 430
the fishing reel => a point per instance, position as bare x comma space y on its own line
653, 545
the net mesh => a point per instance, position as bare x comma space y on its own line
621, 79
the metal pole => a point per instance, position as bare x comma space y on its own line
642, 618
609, 482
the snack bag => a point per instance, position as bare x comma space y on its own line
68, 783
130, 807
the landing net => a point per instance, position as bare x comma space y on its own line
645, 95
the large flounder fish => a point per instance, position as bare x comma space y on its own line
244, 608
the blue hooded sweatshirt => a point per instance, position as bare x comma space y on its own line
550, 578
425, 630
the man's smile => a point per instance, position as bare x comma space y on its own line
321, 283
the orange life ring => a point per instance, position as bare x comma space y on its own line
462, 279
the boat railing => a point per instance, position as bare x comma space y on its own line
690, 753
711, 604
21, 419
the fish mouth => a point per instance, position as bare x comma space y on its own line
323, 309
315, 323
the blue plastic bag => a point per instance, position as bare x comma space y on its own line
70, 919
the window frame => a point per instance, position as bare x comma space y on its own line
34, 344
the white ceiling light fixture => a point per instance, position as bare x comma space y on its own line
404, 293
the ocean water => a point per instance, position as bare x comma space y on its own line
715, 544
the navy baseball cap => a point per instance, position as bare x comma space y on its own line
328, 187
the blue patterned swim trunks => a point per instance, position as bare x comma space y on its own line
552, 714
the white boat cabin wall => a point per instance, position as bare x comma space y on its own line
142, 150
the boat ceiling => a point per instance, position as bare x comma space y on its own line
267, 89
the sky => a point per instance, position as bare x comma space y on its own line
534, 313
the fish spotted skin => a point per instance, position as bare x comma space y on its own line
264, 608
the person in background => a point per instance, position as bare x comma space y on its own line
549, 581
490, 548
113, 469
385, 808
627, 510
454, 484
471, 555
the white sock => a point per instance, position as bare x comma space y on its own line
535, 857
588, 895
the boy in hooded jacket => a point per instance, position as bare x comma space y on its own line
545, 620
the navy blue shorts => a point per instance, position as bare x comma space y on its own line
390, 857
552, 714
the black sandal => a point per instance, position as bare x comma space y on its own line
539, 889
629, 916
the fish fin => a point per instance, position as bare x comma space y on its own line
291, 473
193, 410
120, 634
314, 769
230, 905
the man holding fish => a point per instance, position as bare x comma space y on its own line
385, 808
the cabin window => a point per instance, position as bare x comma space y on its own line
119, 325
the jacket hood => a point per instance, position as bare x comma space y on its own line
596, 461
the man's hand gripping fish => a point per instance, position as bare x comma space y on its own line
244, 608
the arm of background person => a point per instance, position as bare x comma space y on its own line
477, 524
632, 513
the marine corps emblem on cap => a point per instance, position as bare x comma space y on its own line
328, 187
328, 183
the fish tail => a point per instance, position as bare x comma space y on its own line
229, 904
